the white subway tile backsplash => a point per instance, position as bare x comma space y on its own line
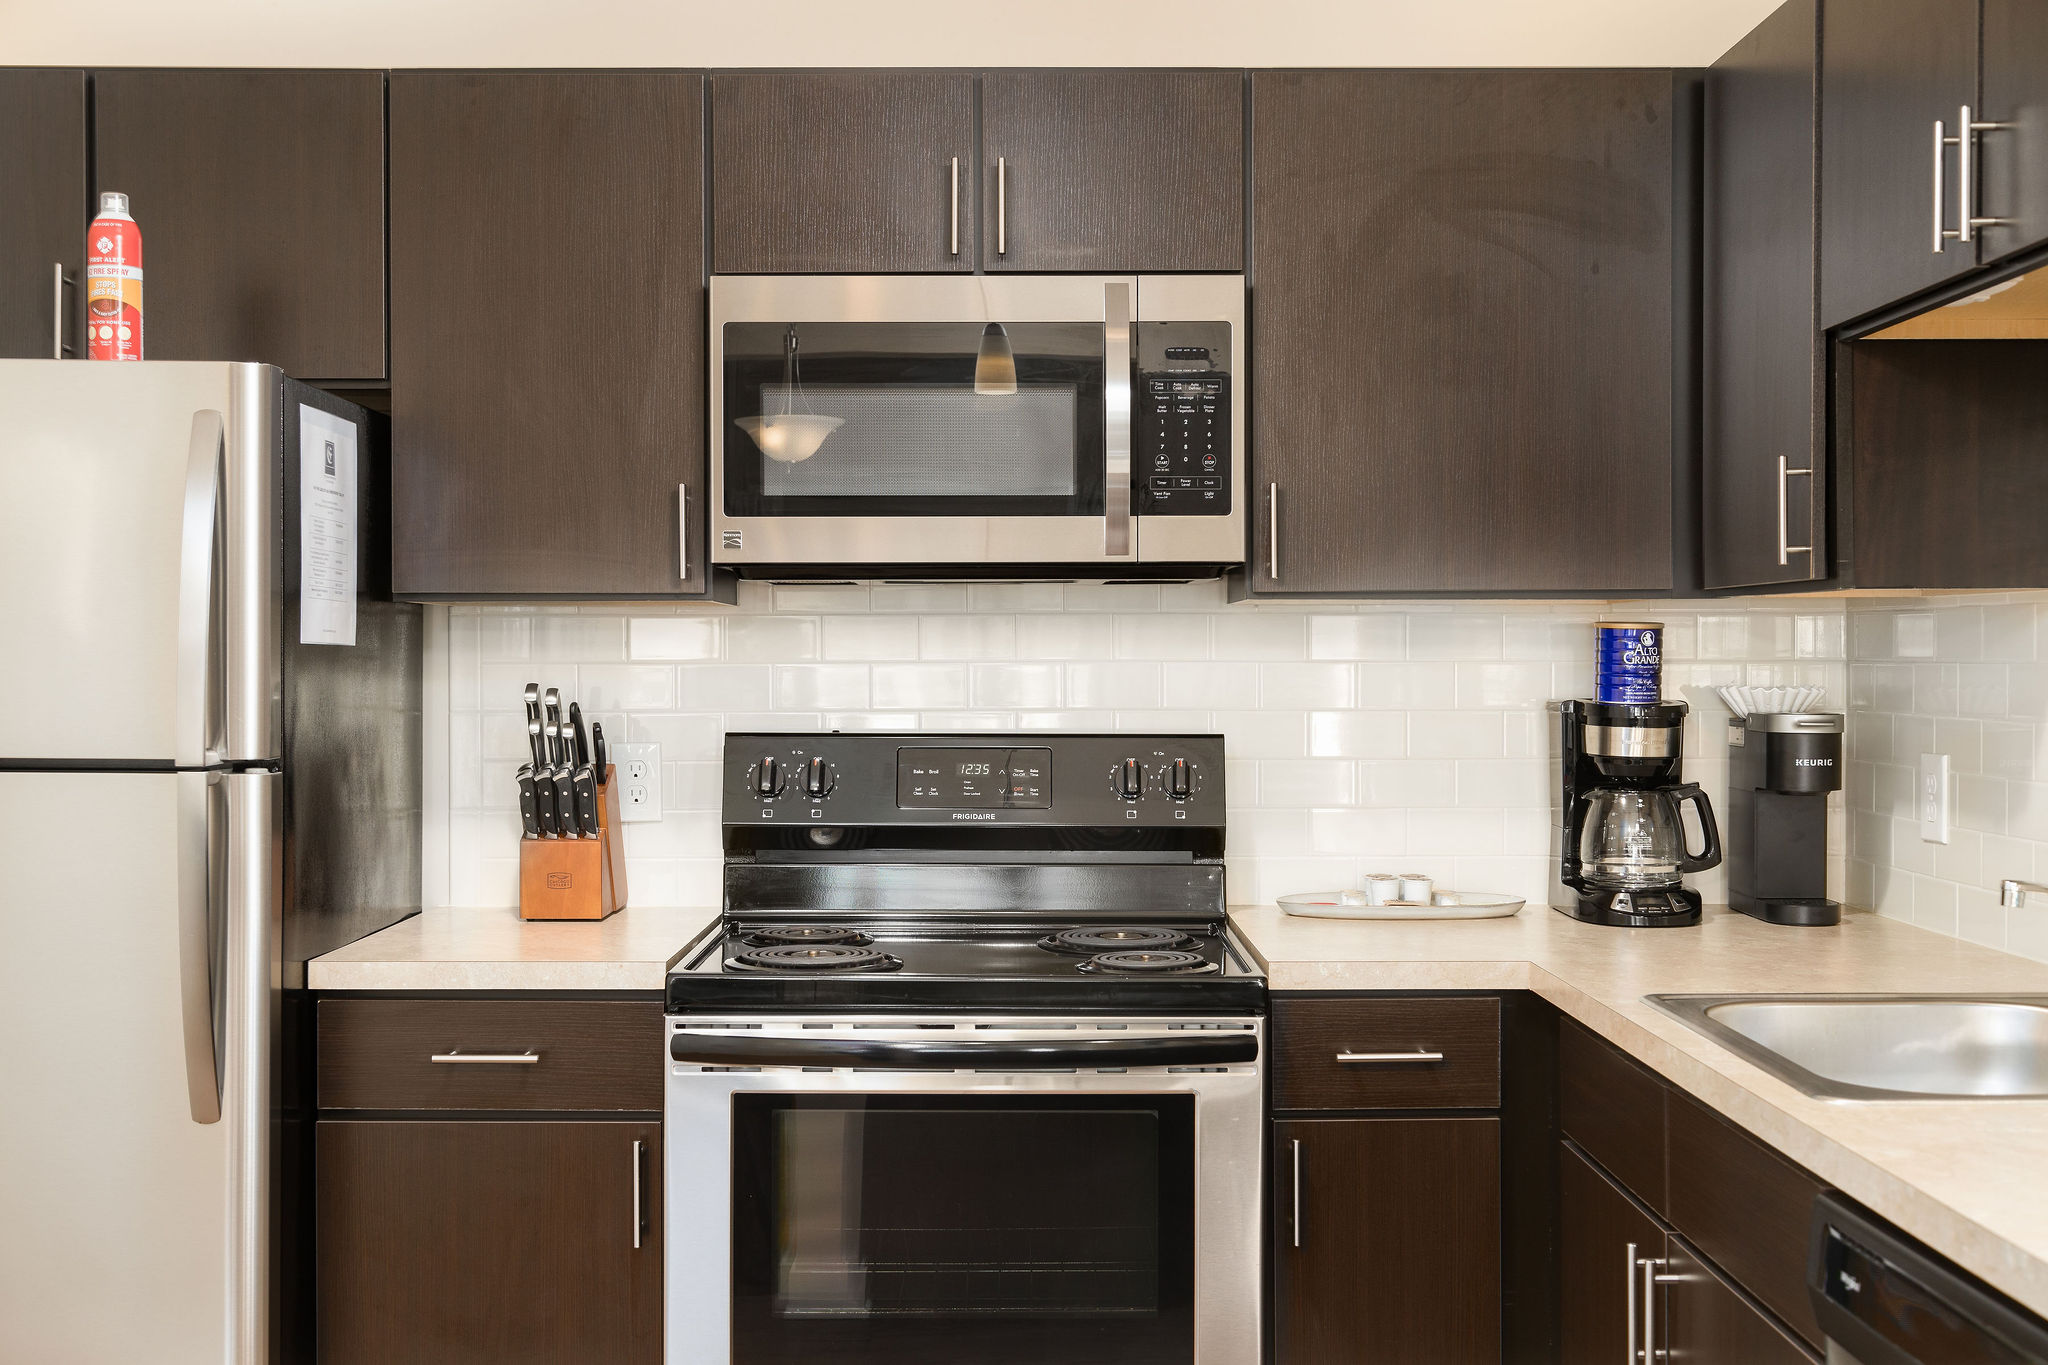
673, 637
1298, 686
623, 687
724, 687
869, 637
1015, 685
967, 637
1357, 734
1307, 782
1113, 685
1373, 635
579, 639
806, 687
1066, 637
1454, 734
1254, 635
907, 687
1223, 686
1162, 636
1455, 635
771, 639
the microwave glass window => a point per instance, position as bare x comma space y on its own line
931, 1230
914, 436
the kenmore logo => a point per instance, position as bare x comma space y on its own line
1813, 763
974, 815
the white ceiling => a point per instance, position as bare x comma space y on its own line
381, 33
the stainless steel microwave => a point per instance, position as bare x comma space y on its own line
921, 425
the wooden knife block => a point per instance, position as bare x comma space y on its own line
577, 878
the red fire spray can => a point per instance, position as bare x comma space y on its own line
113, 282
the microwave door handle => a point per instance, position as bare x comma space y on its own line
1116, 420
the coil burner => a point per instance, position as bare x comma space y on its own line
822, 958
1150, 962
806, 936
1090, 942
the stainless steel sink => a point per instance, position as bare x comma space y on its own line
1882, 1047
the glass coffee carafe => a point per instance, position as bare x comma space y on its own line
1633, 838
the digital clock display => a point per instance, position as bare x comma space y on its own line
974, 779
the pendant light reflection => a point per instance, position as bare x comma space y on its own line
995, 364
790, 437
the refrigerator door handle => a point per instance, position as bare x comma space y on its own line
195, 948
254, 905
199, 591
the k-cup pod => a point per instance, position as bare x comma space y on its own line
1415, 887
1382, 888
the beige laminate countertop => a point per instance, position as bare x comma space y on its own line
1969, 1178
495, 950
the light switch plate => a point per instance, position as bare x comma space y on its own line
1934, 798
639, 769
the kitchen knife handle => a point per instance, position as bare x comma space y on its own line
600, 756
544, 803
579, 735
529, 808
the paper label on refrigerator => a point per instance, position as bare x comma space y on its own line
327, 529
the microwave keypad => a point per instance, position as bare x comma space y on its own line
1183, 465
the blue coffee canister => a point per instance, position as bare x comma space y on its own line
1628, 665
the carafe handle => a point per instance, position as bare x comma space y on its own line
1710, 856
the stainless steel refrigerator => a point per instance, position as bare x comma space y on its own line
209, 773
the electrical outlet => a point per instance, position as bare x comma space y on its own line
1934, 798
639, 769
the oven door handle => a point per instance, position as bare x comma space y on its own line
889, 1054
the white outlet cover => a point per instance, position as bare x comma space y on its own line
639, 778
1933, 798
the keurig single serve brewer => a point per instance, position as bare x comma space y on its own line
1781, 768
1619, 843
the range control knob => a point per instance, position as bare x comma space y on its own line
818, 779
1130, 779
1180, 780
768, 778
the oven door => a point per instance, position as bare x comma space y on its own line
927, 1192
921, 419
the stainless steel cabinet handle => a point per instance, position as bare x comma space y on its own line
639, 1219
1273, 532
1387, 1058
1651, 1279
1634, 1349
58, 347
1941, 231
954, 249
487, 1058
1116, 418
683, 531
1002, 206
1785, 548
1297, 1191
1967, 221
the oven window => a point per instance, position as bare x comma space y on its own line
934, 1230
835, 419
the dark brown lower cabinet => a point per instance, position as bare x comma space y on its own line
1386, 1241
450, 1242
1703, 1319
1602, 1235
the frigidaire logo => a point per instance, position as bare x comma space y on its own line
1813, 763
974, 815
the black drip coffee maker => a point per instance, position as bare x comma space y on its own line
1618, 837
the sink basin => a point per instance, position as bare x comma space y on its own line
1882, 1047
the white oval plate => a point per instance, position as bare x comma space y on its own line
1351, 905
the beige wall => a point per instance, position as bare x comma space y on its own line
376, 33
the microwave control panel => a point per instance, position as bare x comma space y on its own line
1181, 426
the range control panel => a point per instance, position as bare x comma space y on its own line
1181, 420
959, 780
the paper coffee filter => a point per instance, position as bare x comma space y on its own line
1746, 701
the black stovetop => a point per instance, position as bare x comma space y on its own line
968, 964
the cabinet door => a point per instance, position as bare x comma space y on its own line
42, 163
446, 1243
1386, 1241
1703, 1320
1889, 69
1603, 1237
547, 333
1462, 340
260, 195
1119, 171
1765, 407
2015, 160
842, 172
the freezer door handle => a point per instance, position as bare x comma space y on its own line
199, 591
195, 945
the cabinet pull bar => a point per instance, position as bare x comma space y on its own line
1388, 1058
1273, 532
59, 348
1297, 1192
1002, 206
955, 248
527, 1058
683, 531
1634, 1349
1967, 128
1785, 548
1651, 1354
1941, 229
639, 1219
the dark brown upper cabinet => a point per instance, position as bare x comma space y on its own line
1890, 70
547, 334
842, 172
1463, 342
42, 230
2015, 91
1763, 467
1120, 171
260, 195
